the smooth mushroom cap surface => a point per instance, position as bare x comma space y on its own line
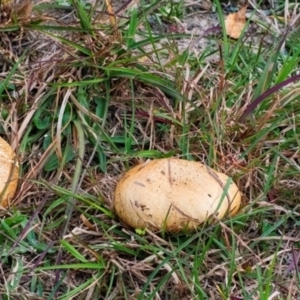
9, 173
174, 194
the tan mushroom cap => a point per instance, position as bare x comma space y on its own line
174, 194
9, 172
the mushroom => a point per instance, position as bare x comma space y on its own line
173, 194
9, 172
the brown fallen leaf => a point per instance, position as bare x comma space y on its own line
235, 23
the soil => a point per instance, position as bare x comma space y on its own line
199, 19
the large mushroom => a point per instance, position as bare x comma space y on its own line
174, 194
9, 173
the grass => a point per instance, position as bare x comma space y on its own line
83, 101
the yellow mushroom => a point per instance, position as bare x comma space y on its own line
174, 194
9, 173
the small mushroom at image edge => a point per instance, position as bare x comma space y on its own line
173, 195
9, 172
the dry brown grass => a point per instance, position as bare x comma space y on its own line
58, 92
